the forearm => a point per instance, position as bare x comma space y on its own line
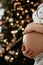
38, 28
33, 27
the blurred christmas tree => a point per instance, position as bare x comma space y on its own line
17, 14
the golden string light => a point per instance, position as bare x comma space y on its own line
26, 11
10, 19
20, 17
11, 59
11, 24
16, 53
11, 52
32, 9
32, 3
5, 40
7, 57
15, 31
28, 1
17, 14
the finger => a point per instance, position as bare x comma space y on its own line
23, 48
30, 52
31, 55
25, 52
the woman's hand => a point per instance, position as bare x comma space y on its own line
27, 52
33, 27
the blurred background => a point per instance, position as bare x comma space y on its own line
14, 16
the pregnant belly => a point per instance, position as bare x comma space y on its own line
33, 41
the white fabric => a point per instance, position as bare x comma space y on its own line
39, 59
38, 15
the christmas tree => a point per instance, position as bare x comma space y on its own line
17, 14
